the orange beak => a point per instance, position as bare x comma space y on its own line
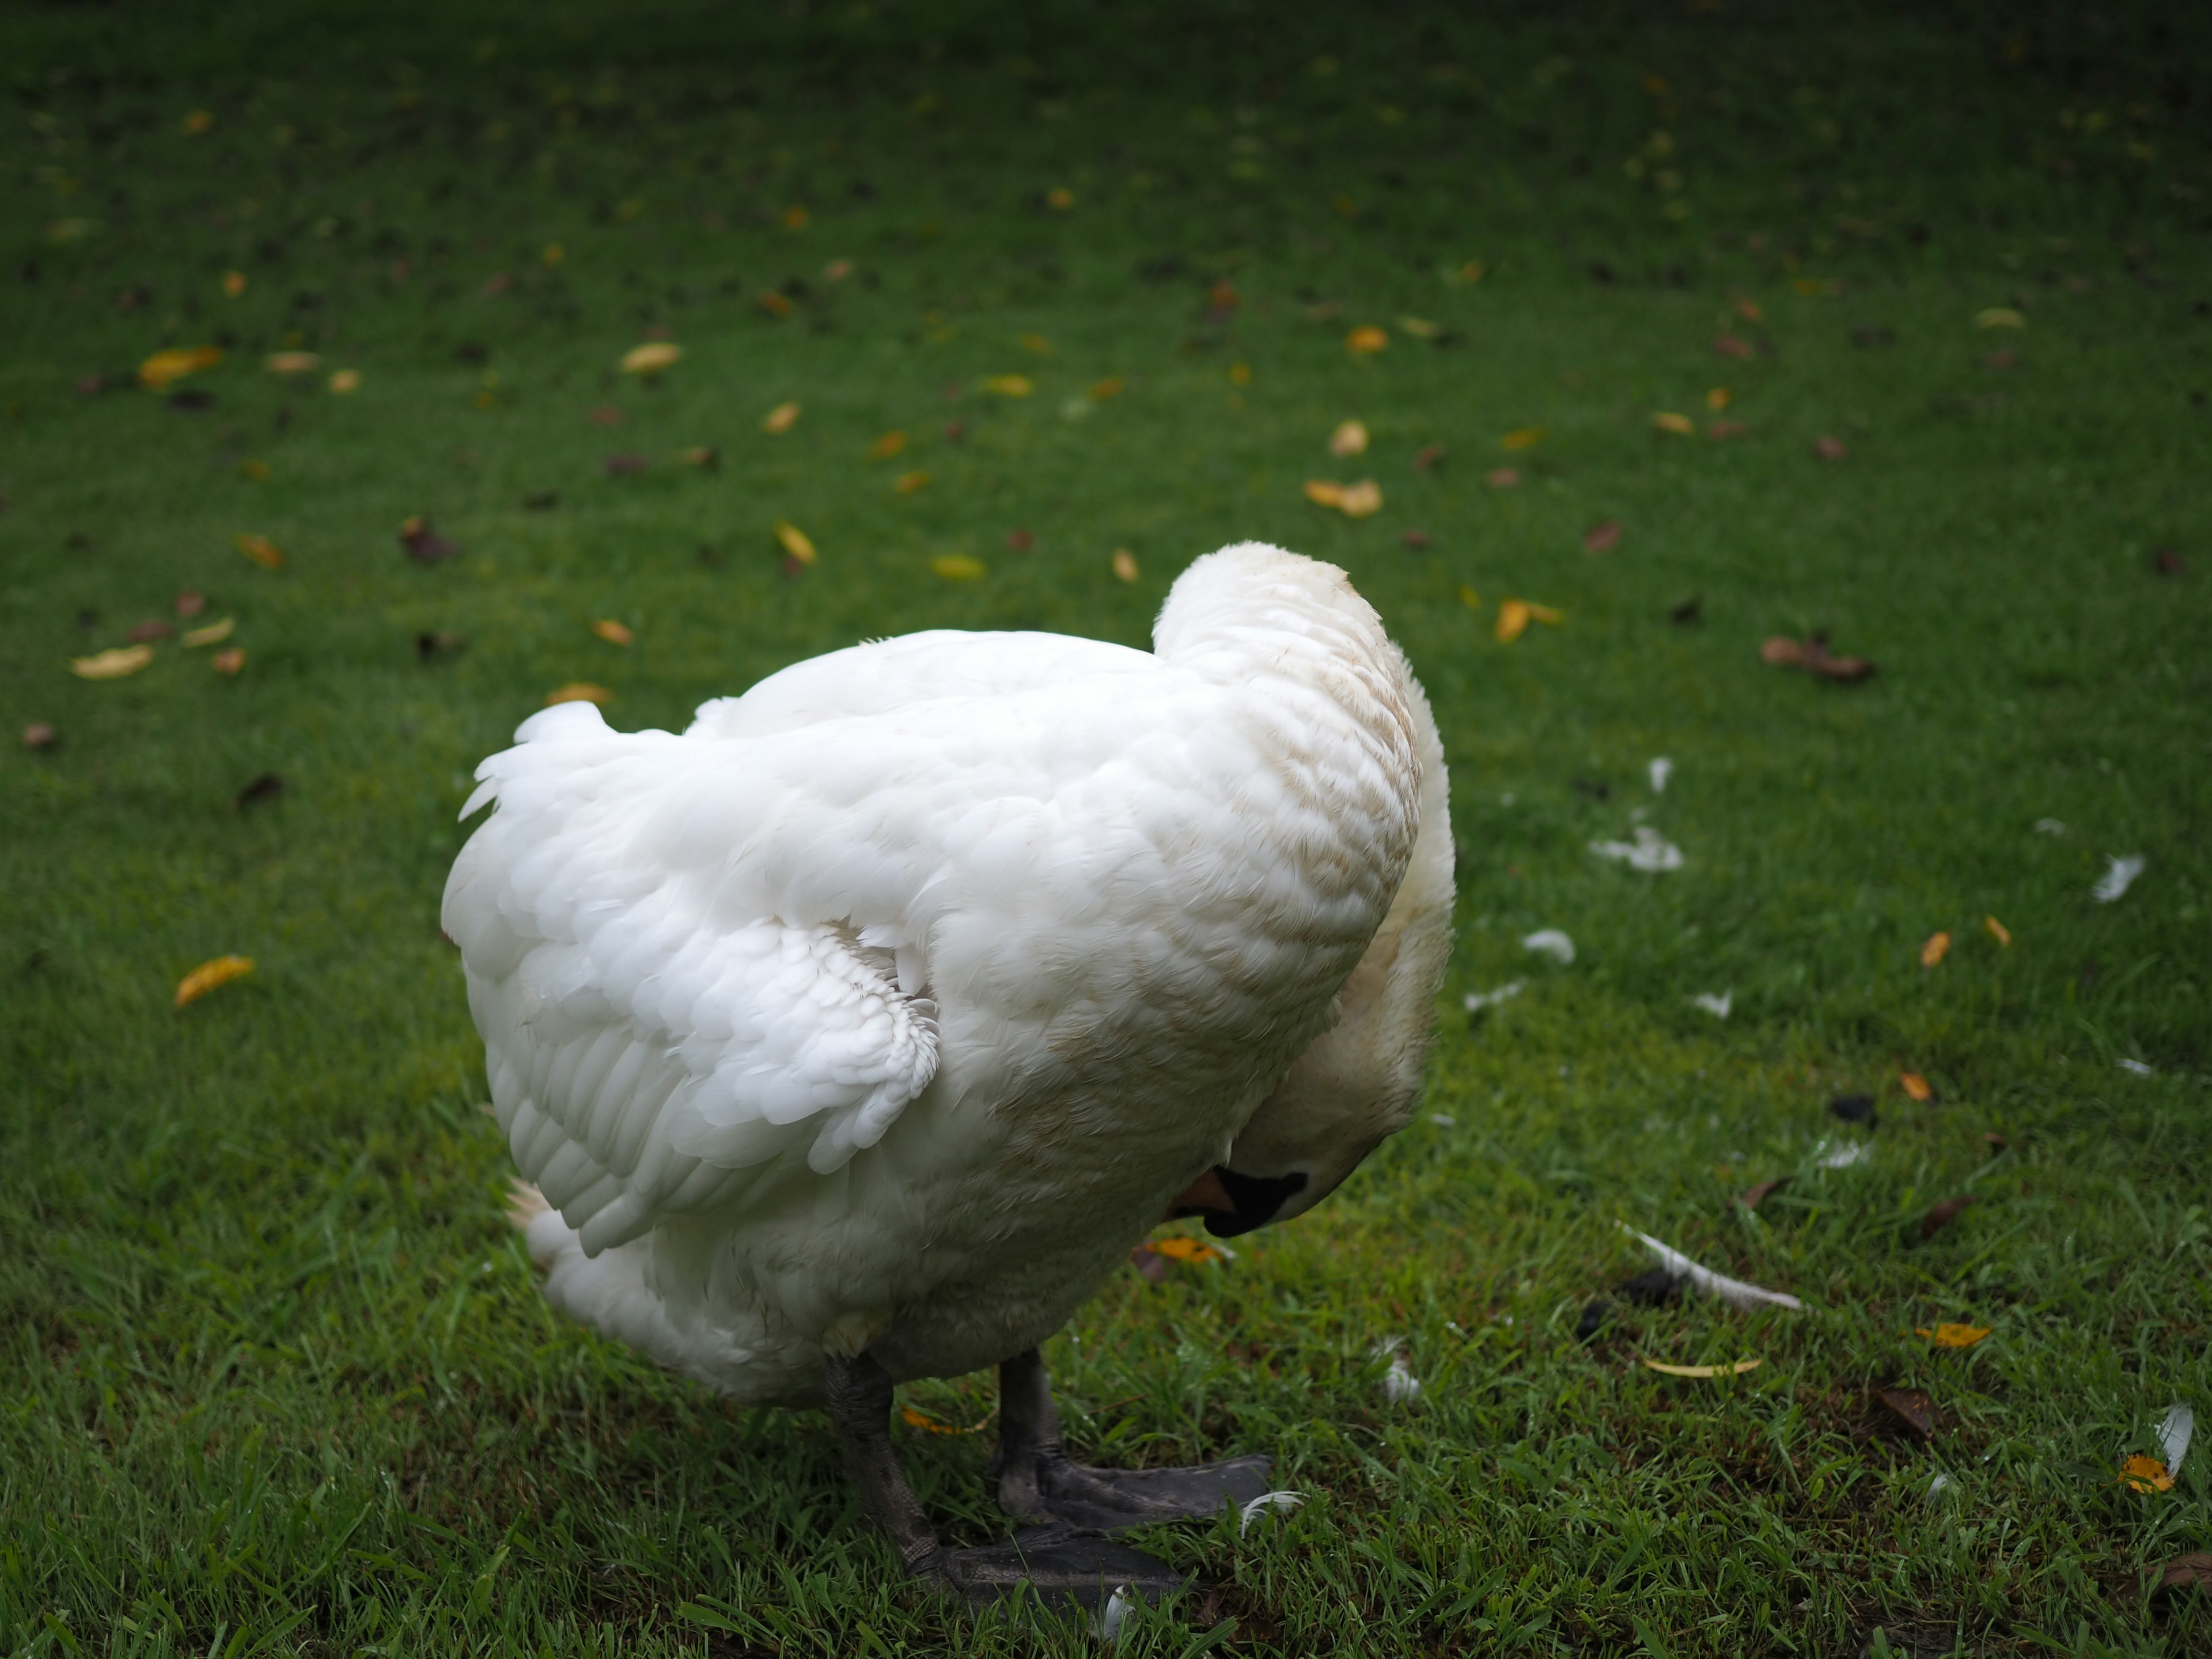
1205, 1193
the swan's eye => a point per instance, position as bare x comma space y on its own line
1257, 1198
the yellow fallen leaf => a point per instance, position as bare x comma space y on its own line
1525, 437
1350, 438
1008, 386
346, 381
1473, 272
887, 446
578, 691
929, 1425
795, 217
2147, 1474
213, 634
793, 541
1361, 499
1322, 493
957, 568
1953, 1336
2000, 317
1420, 327
1178, 1247
1240, 373
1366, 340
1059, 198
775, 304
1125, 564
781, 418
1719, 398
156, 373
1512, 620
234, 282
1998, 931
227, 662
263, 551
1914, 1085
1469, 597
1736, 1370
1667, 421
291, 362
908, 483
208, 974
651, 357
1108, 387
111, 664
1934, 950
612, 631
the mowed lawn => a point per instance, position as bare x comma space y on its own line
1692, 327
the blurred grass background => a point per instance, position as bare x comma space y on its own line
279, 1379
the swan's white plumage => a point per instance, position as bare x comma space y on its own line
886, 1007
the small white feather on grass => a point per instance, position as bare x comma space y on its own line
2119, 875
1550, 942
1267, 1502
1704, 1279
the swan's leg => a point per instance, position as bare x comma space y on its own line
1061, 1565
1038, 1482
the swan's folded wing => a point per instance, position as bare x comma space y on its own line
649, 1052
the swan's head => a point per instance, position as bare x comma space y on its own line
1356, 1085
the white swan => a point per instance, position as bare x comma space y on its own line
857, 1033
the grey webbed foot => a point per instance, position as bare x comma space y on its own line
1065, 1568
1038, 1482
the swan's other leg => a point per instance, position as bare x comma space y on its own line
1062, 1565
1038, 1482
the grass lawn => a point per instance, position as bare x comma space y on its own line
1931, 293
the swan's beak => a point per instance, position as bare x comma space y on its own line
1233, 1203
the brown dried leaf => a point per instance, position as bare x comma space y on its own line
1602, 537
145, 633
1728, 346
1829, 449
1915, 1407
2190, 1572
1430, 455
190, 604
1759, 1194
227, 662
39, 735
1149, 1262
1941, 1215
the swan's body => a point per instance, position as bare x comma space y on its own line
884, 1010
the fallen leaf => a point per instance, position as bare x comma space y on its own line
1469, 597
1473, 272
1035, 342
1914, 1085
1366, 340
1429, 456
1941, 1215
1812, 655
208, 974
250, 468
1150, 1263
1758, 1195
111, 664
623, 465
1853, 1108
774, 304
1240, 373
1501, 477
1020, 540
267, 787
1059, 198
1934, 950
705, 457
160, 370
1721, 431
227, 662
1736, 1370
781, 418
1009, 385
190, 604
1666, 420
234, 282
346, 381
1322, 493
1829, 449
1998, 931
1512, 620
1748, 310
1421, 328
887, 446
263, 551
929, 1425
1109, 387
2119, 875
795, 217
1999, 317
1350, 438
793, 542
612, 632
1523, 437
2190, 1572
577, 692
1994, 1141
1915, 1407
291, 362
199, 121
1953, 1336
907, 483
39, 735
423, 544
146, 633
1415, 539
1602, 537
1728, 346
1719, 399
1178, 1247
957, 568
2145, 1474
1125, 564
213, 634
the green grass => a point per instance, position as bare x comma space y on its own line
276, 1377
